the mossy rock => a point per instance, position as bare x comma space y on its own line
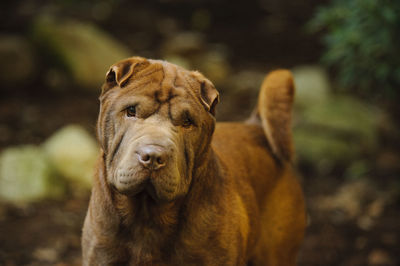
83, 49
26, 175
73, 153
340, 129
312, 85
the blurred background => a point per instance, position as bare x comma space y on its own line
344, 55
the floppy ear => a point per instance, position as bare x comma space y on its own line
122, 71
209, 95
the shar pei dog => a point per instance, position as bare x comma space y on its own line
173, 187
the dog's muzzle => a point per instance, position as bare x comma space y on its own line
144, 163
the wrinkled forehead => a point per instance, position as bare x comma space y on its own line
161, 82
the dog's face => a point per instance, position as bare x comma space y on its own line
155, 126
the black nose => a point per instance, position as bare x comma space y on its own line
152, 156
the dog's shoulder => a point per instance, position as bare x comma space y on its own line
240, 137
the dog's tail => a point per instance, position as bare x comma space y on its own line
274, 110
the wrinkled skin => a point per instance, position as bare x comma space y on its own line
169, 192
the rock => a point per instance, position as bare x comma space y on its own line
184, 44
375, 209
346, 114
365, 222
214, 65
348, 198
26, 175
17, 60
338, 130
312, 85
189, 49
82, 48
378, 257
239, 95
248, 81
332, 129
321, 148
179, 61
46, 254
73, 153
360, 200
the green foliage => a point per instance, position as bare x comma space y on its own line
362, 39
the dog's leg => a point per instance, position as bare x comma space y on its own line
283, 221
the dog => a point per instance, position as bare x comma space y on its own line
173, 187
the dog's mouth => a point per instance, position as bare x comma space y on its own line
145, 190
134, 188
162, 186
128, 189
149, 189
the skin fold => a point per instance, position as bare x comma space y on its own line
173, 187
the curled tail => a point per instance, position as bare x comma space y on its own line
274, 109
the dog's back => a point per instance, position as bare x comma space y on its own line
257, 156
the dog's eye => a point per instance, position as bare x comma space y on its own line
131, 111
187, 122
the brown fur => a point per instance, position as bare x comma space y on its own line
228, 197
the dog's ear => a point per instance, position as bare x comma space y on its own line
120, 73
209, 95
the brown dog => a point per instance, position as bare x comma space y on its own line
170, 192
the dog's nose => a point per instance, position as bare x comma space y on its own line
152, 157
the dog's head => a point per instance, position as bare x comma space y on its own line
155, 126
